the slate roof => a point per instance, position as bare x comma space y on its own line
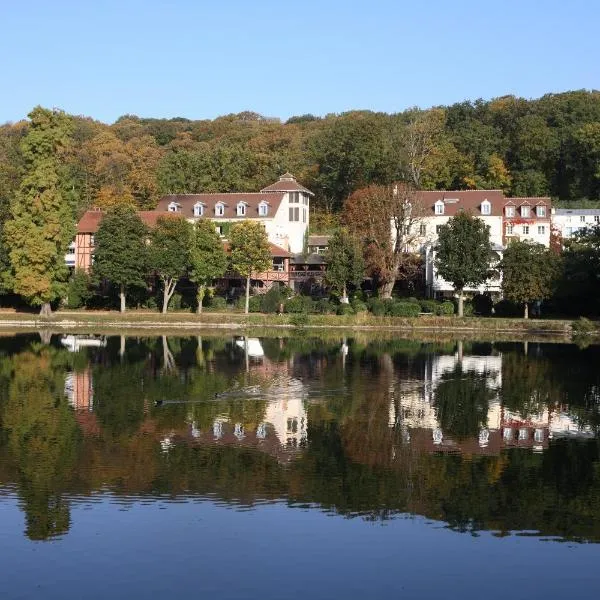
91, 219
287, 183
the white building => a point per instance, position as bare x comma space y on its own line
283, 208
568, 221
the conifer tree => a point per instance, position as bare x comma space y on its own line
41, 225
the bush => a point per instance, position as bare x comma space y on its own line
403, 309
377, 306
78, 291
412, 300
429, 306
358, 305
175, 303
299, 319
467, 308
446, 308
299, 304
272, 299
482, 304
506, 308
345, 309
324, 307
255, 304
217, 303
583, 326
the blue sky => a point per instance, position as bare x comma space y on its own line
200, 59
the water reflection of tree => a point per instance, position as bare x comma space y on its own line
461, 402
42, 438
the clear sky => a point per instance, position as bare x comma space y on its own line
200, 58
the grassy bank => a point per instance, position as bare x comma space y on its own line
178, 321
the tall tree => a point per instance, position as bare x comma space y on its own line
41, 226
529, 272
208, 260
169, 253
386, 219
120, 250
250, 251
345, 264
464, 255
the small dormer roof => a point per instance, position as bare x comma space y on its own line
287, 183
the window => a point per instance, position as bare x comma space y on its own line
423, 229
294, 197
406, 229
569, 231
439, 208
173, 207
509, 229
198, 209
582, 219
91, 240
486, 208
219, 209
294, 214
525, 211
304, 215
596, 218
541, 230
509, 211
305, 199
278, 265
263, 209
523, 434
525, 229
438, 228
241, 209
541, 211
538, 435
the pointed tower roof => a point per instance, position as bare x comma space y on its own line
287, 183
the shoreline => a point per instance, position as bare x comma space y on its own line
100, 321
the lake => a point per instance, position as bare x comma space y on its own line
297, 467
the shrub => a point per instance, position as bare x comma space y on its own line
505, 308
412, 300
78, 291
377, 306
175, 303
583, 326
299, 304
217, 303
467, 309
446, 308
404, 309
358, 305
482, 304
255, 304
345, 309
429, 306
272, 299
324, 306
299, 319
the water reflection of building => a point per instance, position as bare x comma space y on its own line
74, 343
412, 410
79, 389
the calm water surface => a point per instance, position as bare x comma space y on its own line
297, 468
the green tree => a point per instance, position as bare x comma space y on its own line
250, 251
169, 253
41, 225
464, 253
120, 254
345, 264
529, 272
208, 260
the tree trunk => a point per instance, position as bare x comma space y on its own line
526, 311
168, 291
386, 289
344, 298
461, 299
122, 297
247, 309
200, 298
46, 310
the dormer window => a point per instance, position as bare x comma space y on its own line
486, 208
509, 211
439, 208
198, 209
219, 209
263, 209
241, 209
526, 211
540, 210
174, 207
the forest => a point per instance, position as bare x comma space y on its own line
546, 146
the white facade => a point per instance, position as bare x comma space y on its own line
569, 221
